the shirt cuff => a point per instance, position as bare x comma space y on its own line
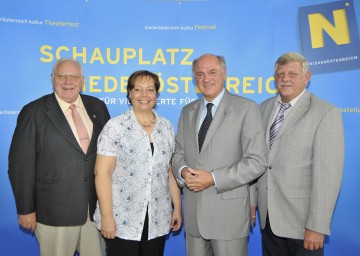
212, 173
180, 179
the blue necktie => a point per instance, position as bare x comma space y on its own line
205, 125
275, 127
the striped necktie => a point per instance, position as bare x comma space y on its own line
275, 127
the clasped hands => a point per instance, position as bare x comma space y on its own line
197, 180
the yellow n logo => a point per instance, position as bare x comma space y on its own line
338, 32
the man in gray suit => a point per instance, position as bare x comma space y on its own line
215, 169
298, 191
51, 167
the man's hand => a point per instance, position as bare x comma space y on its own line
197, 180
313, 240
28, 221
185, 173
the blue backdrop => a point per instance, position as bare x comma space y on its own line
113, 38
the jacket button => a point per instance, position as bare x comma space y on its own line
270, 167
86, 179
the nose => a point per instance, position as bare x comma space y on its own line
67, 78
285, 78
143, 93
206, 77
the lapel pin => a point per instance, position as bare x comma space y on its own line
94, 116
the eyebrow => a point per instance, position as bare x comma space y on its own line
211, 70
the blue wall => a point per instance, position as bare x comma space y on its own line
114, 38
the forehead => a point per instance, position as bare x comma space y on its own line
208, 62
291, 66
68, 65
144, 81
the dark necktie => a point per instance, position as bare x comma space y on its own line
275, 127
205, 125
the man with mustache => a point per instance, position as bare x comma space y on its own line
305, 138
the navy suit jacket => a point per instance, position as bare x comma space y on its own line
49, 173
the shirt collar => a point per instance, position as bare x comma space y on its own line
293, 101
216, 101
65, 105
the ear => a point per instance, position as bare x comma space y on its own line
224, 73
307, 77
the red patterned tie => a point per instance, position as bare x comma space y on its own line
80, 128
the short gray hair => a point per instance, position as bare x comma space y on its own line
59, 61
290, 57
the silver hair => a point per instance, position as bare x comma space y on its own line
59, 61
290, 57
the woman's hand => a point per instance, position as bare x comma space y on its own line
176, 221
108, 227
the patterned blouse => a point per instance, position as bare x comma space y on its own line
140, 179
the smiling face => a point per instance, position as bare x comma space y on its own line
209, 76
67, 80
143, 95
291, 80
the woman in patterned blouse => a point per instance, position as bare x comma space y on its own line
134, 181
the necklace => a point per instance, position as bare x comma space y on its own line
148, 124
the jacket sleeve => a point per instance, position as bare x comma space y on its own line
253, 161
328, 161
22, 162
178, 158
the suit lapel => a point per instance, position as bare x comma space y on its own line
57, 117
268, 109
93, 114
218, 119
296, 113
194, 118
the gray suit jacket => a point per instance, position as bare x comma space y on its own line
234, 150
302, 181
49, 172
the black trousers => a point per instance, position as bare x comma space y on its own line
273, 245
144, 247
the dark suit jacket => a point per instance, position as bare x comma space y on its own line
49, 173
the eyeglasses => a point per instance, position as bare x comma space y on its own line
64, 77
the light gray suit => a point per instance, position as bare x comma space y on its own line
234, 150
301, 184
